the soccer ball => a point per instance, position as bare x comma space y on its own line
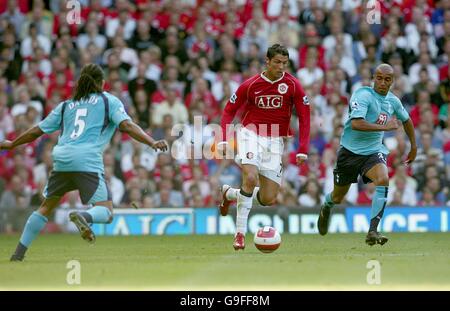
267, 239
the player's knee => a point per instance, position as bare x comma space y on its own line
266, 200
337, 198
381, 181
44, 210
250, 180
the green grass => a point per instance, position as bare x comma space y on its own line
416, 261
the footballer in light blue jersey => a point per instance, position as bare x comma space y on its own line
87, 122
372, 111
375, 108
87, 126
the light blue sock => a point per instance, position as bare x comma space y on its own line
100, 214
328, 201
35, 223
379, 201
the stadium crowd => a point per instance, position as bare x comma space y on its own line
172, 62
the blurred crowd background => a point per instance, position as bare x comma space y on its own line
172, 61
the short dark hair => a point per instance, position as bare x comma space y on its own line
277, 49
90, 81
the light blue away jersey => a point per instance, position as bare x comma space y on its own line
86, 128
374, 108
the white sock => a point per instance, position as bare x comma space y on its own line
232, 194
244, 205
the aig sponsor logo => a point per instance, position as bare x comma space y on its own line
269, 101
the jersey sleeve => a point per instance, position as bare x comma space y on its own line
52, 122
234, 103
358, 105
117, 113
303, 111
400, 111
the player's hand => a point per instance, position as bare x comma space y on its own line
6, 145
160, 144
392, 124
411, 156
301, 158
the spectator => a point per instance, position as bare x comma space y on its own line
14, 16
141, 111
123, 25
218, 87
42, 170
32, 41
172, 106
167, 196
310, 195
428, 198
115, 185
15, 204
142, 38
365, 195
311, 73
401, 194
437, 189
252, 35
6, 120
199, 181
92, 36
141, 82
424, 62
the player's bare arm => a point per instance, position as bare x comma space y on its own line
362, 125
138, 134
409, 130
28, 136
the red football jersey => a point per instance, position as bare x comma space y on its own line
270, 103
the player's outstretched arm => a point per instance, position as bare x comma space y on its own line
26, 137
409, 130
138, 134
360, 124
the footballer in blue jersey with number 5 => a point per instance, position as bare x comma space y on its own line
86, 123
372, 111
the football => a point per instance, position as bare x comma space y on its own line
267, 239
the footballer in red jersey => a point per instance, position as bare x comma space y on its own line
268, 99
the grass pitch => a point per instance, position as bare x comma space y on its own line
336, 261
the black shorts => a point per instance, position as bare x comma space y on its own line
92, 186
349, 165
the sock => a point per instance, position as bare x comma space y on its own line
378, 204
232, 194
99, 215
87, 216
244, 204
328, 201
20, 250
35, 223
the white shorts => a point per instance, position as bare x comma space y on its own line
263, 152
